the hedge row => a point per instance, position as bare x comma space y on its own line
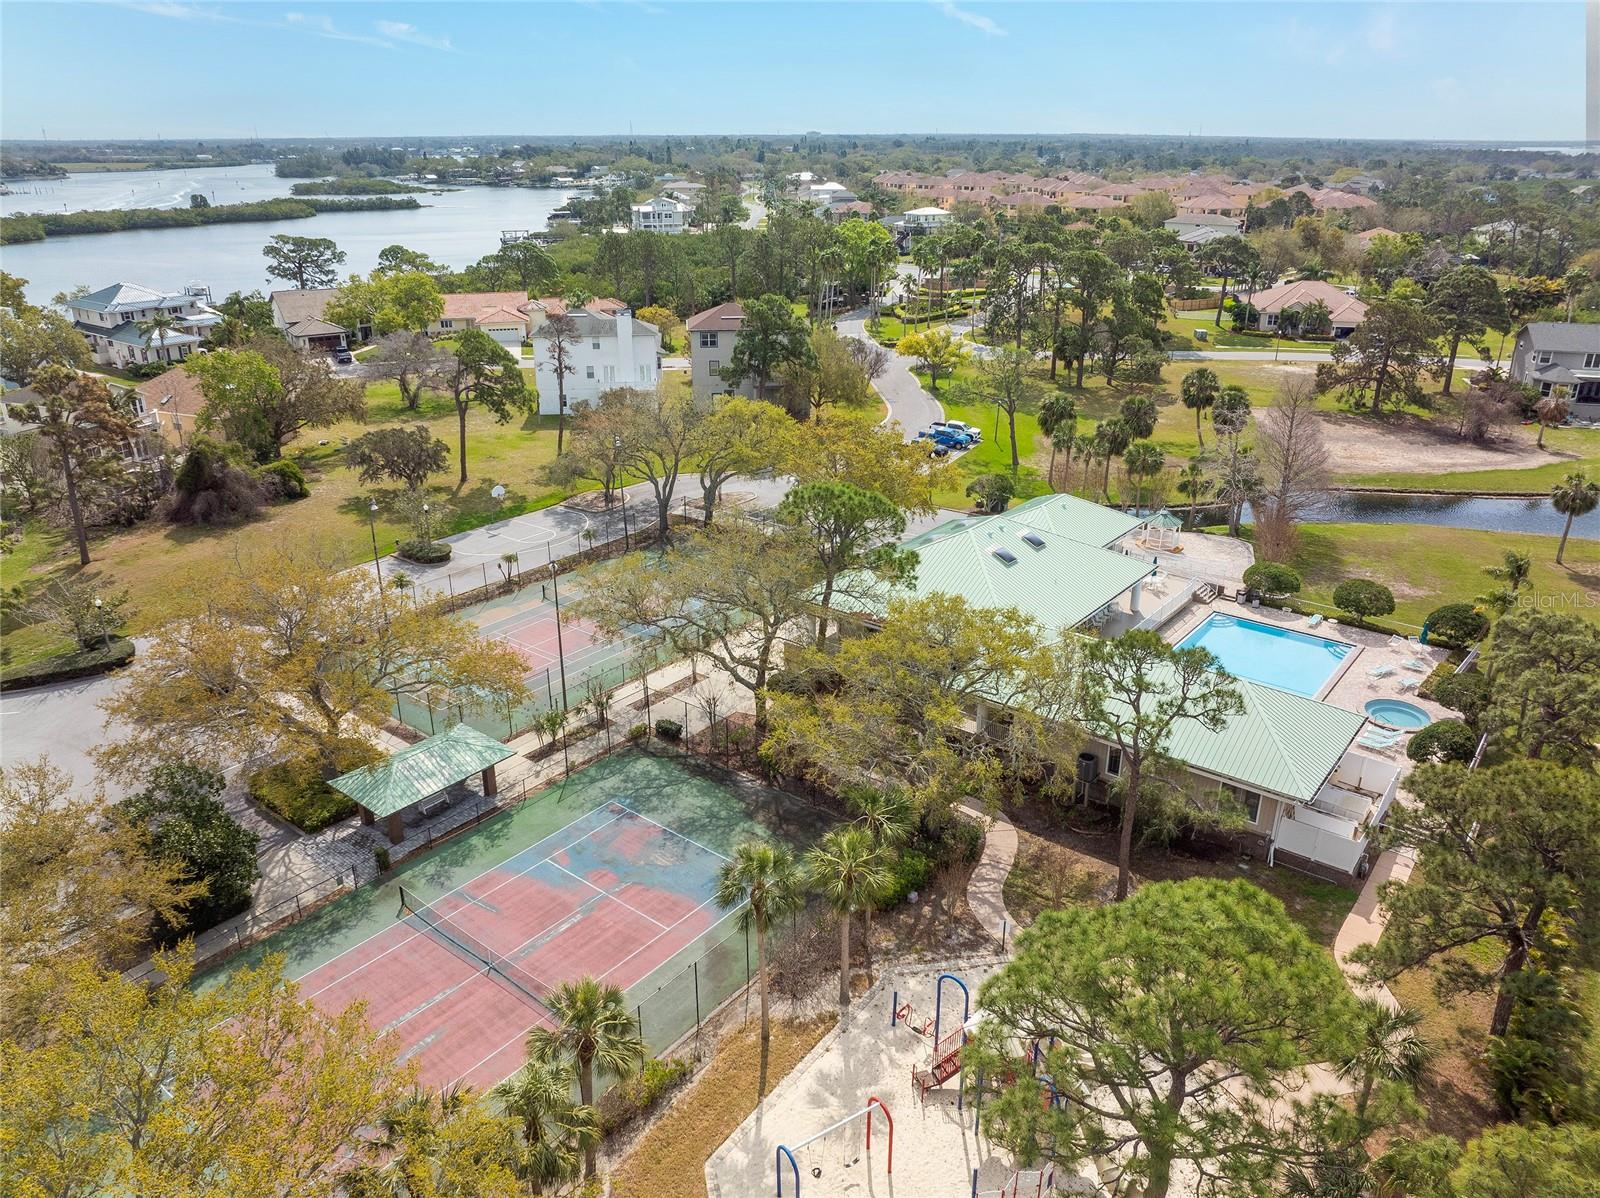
84, 663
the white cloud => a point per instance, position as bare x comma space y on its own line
297, 22
401, 31
323, 26
967, 17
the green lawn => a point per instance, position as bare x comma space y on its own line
147, 560
1426, 566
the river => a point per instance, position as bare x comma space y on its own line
1450, 511
455, 228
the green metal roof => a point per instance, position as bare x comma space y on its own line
1059, 581
420, 770
1078, 519
1282, 743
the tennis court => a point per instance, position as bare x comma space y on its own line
461, 977
564, 655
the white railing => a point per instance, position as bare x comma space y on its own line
1172, 606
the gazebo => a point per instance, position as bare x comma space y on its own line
1162, 531
389, 789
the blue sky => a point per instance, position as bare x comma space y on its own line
1509, 70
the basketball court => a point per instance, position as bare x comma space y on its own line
460, 977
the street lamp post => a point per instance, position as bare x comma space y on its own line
99, 622
377, 562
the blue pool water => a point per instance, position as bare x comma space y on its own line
1280, 657
1397, 713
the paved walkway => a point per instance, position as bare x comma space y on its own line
986, 888
909, 405
1364, 924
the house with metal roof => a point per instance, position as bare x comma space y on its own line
1561, 359
1309, 798
117, 323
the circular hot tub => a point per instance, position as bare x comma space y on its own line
1397, 713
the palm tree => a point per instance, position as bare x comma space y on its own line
424, 1154
1083, 446
1200, 390
1195, 482
1549, 410
764, 878
593, 1029
1513, 572
1111, 439
1575, 495
1058, 420
885, 815
847, 869
1142, 460
1390, 1049
159, 326
554, 1128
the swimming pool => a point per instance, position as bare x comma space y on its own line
1280, 657
1397, 713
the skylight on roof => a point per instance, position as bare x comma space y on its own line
1032, 538
1004, 554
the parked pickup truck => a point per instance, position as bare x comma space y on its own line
958, 426
946, 438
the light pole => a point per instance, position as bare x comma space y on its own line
99, 622
377, 563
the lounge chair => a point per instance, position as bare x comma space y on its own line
1382, 671
1378, 738
1397, 642
1314, 620
1416, 665
1407, 684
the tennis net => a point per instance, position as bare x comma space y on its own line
453, 936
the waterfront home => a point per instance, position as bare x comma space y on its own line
660, 215
116, 322
300, 314
1561, 359
612, 349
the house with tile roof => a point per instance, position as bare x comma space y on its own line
1310, 798
114, 320
501, 314
1277, 307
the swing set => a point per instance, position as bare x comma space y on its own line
786, 1152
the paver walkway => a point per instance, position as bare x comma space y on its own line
986, 888
1364, 924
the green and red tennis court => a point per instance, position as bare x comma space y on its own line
610, 874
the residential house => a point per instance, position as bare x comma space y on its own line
1276, 305
682, 189
501, 314
1310, 799
1197, 229
110, 320
712, 335
300, 314
541, 310
612, 349
1364, 238
1213, 203
925, 220
1561, 359
660, 215
823, 194
169, 405
834, 213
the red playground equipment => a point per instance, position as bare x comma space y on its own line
945, 1060
1024, 1183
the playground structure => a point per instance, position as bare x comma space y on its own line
1024, 1183
945, 1060
841, 1151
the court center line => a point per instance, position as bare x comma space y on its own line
522, 1035
675, 832
664, 932
608, 895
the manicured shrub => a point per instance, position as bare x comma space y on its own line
1443, 740
297, 791
638, 732
1273, 579
669, 730
1467, 693
82, 663
911, 870
283, 479
1456, 625
426, 553
380, 858
1363, 598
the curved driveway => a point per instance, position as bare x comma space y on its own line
912, 408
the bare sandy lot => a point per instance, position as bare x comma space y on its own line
1413, 445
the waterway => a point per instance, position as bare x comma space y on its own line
455, 228
1451, 511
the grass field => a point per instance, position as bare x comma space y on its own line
149, 560
1426, 566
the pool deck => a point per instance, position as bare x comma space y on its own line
1352, 686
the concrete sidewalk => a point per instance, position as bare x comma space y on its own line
1364, 924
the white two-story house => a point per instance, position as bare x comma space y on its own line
612, 350
111, 319
660, 215
1561, 359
